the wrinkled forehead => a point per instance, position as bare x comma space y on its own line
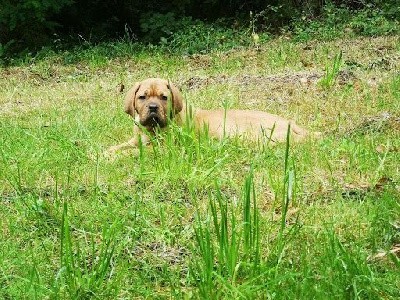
153, 88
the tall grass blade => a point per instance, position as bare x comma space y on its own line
332, 71
77, 278
285, 198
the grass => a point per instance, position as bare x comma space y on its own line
193, 217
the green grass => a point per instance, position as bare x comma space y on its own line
193, 217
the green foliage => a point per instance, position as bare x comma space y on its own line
188, 36
157, 27
338, 21
374, 22
15, 14
184, 26
28, 22
199, 37
4, 49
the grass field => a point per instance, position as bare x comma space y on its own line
193, 217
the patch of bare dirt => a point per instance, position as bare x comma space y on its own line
158, 253
301, 78
378, 123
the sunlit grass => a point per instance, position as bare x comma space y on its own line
192, 216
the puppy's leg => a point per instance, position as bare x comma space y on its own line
132, 143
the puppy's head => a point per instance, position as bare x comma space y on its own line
154, 100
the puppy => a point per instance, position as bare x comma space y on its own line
154, 102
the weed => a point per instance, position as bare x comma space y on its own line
229, 251
332, 72
81, 274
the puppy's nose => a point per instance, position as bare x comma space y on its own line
153, 107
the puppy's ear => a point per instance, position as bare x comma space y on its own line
177, 99
130, 99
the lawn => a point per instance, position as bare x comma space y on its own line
193, 217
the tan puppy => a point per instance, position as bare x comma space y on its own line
154, 101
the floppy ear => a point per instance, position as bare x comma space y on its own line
130, 99
177, 100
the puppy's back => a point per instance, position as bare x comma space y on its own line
250, 124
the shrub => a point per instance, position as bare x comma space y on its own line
27, 23
337, 21
199, 37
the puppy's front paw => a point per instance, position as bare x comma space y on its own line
111, 152
114, 151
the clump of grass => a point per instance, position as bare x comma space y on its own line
84, 274
332, 72
229, 249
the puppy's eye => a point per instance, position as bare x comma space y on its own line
143, 97
164, 97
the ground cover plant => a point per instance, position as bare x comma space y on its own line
192, 217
